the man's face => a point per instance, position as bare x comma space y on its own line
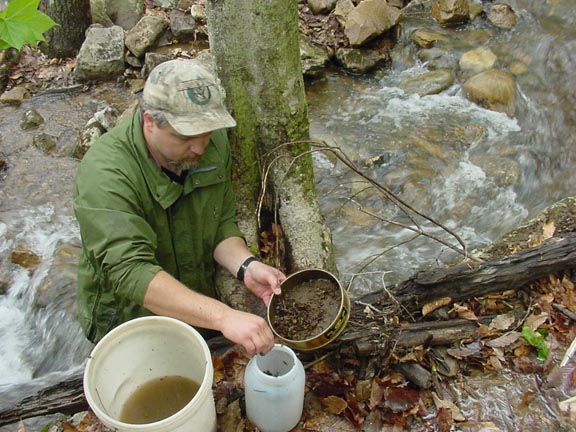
171, 150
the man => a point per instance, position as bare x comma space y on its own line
154, 201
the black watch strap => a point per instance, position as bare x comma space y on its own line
244, 267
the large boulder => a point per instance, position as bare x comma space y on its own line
370, 19
493, 89
101, 56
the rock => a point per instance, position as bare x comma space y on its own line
24, 257
61, 278
451, 12
427, 38
502, 16
88, 135
182, 25
313, 58
428, 83
477, 60
99, 14
493, 89
44, 142
145, 34
101, 122
101, 56
361, 61
342, 9
106, 118
151, 60
370, 19
31, 120
321, 6
14, 96
124, 13
198, 12
436, 58
166, 4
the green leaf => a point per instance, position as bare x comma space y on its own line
21, 23
536, 339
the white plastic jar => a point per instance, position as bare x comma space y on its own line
274, 390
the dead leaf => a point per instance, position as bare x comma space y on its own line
334, 404
504, 340
434, 305
444, 420
464, 312
495, 363
535, 321
442, 403
502, 322
548, 230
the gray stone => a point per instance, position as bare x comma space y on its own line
361, 61
31, 120
429, 83
182, 25
342, 9
145, 34
101, 56
321, 6
125, 13
314, 58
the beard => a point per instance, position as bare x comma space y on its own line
183, 164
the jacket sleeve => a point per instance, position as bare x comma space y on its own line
118, 242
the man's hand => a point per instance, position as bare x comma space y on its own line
248, 330
263, 280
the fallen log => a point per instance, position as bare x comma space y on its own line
66, 397
460, 282
472, 279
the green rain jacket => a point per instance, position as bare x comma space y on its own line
134, 221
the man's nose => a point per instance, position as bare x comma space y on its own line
199, 144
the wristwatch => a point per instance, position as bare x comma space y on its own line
244, 267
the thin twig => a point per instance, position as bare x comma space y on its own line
272, 157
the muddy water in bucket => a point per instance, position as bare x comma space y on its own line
152, 374
312, 310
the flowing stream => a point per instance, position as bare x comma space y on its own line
477, 172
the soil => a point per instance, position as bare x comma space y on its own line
306, 309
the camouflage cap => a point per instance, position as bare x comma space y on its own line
189, 95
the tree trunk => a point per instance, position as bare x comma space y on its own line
73, 18
257, 58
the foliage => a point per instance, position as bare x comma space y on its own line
22, 23
536, 339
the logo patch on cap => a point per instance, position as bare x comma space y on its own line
198, 91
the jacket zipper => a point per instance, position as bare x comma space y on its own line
171, 226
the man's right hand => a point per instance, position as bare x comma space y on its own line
248, 330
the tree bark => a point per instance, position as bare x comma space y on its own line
257, 58
73, 18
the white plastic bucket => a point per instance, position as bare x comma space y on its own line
140, 351
274, 390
